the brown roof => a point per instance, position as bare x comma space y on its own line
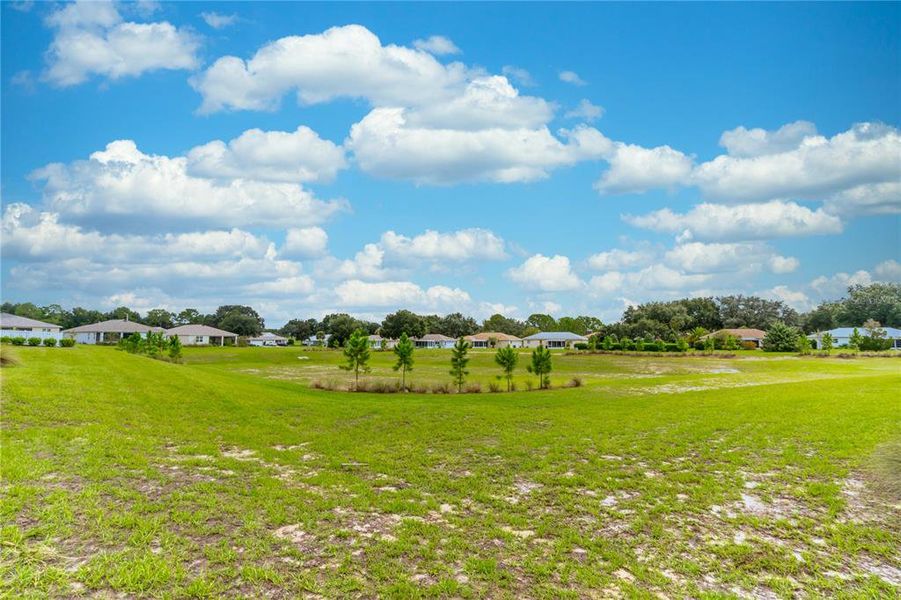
487, 335
741, 333
198, 329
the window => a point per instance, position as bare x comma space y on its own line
198, 339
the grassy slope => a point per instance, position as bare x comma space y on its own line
124, 473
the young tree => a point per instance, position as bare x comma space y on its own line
356, 351
174, 347
541, 366
803, 344
826, 343
507, 358
855, 340
404, 351
780, 338
459, 360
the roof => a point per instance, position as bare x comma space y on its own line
198, 329
114, 326
567, 336
268, 336
8, 320
741, 332
435, 337
843, 332
375, 338
487, 335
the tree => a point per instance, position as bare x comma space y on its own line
803, 344
855, 340
780, 338
541, 366
123, 312
696, 334
341, 326
356, 352
455, 325
300, 329
403, 321
507, 359
730, 342
827, 342
875, 340
174, 347
821, 318
228, 309
878, 301
81, 316
189, 316
159, 317
404, 352
459, 360
542, 322
240, 323
501, 324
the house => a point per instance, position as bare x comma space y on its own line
268, 339
108, 332
314, 340
16, 326
744, 335
434, 340
379, 343
201, 335
494, 339
553, 339
841, 336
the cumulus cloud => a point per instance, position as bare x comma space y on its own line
91, 38
304, 242
585, 110
120, 183
635, 169
357, 293
546, 274
617, 259
437, 45
869, 199
794, 298
767, 220
748, 257
456, 246
218, 20
889, 270
652, 279
288, 156
747, 143
837, 285
571, 77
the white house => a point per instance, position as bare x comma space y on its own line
434, 340
494, 339
379, 343
108, 332
268, 339
201, 335
841, 336
16, 326
315, 341
742, 334
553, 339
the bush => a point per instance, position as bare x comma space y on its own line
575, 382
34, 341
50, 342
290, 342
473, 388
242, 342
5, 339
781, 338
67, 342
441, 388
493, 387
18, 341
581, 346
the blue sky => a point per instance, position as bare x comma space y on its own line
511, 158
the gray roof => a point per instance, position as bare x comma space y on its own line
198, 329
8, 320
566, 336
843, 332
113, 326
268, 335
435, 337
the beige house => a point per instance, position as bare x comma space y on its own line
268, 338
108, 332
434, 340
377, 342
201, 335
494, 339
743, 334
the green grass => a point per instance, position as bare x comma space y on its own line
229, 476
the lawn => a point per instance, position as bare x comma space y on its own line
228, 475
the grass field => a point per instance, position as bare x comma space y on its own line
758, 476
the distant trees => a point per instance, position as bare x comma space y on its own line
501, 324
403, 321
541, 366
459, 360
404, 352
356, 353
456, 325
159, 317
507, 358
189, 316
242, 324
299, 329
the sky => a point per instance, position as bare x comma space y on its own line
514, 158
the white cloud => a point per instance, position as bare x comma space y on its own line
869, 199
121, 183
295, 156
794, 298
437, 45
92, 39
889, 270
748, 257
368, 264
547, 274
747, 143
217, 20
571, 77
634, 169
585, 110
456, 246
742, 222
784, 264
837, 285
519, 75
650, 280
399, 293
617, 259
304, 242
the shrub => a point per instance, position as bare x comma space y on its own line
5, 339
290, 342
441, 388
50, 342
581, 346
781, 338
493, 387
682, 345
575, 382
473, 388
803, 345
18, 341
34, 341
67, 342
529, 385
242, 342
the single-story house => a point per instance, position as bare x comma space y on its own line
841, 336
379, 343
553, 339
434, 340
108, 332
494, 339
742, 334
315, 341
16, 326
201, 335
268, 339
